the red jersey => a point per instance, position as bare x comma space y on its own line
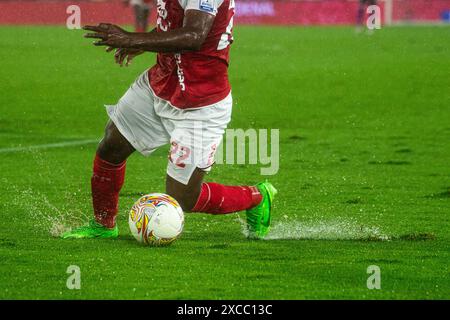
200, 78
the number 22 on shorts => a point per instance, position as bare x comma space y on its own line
178, 154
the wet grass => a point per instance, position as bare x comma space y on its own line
363, 179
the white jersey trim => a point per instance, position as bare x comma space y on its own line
208, 6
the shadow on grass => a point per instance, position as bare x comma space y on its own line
441, 195
415, 236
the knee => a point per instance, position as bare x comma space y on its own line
113, 147
108, 151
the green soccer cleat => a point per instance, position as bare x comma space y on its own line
93, 230
259, 217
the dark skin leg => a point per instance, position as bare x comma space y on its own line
115, 149
186, 195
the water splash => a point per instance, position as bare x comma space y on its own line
43, 214
326, 229
71, 209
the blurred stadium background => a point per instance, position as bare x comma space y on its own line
273, 12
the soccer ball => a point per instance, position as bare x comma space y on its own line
156, 219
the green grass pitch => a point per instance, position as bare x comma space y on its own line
364, 170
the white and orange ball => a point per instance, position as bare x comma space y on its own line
156, 219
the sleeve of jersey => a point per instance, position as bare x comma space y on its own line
208, 6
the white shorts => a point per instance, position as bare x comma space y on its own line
149, 122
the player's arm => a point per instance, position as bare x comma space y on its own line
191, 36
125, 54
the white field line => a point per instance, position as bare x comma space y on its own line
50, 145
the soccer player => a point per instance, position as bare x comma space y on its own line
141, 10
186, 93
362, 12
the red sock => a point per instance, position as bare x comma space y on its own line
106, 182
219, 199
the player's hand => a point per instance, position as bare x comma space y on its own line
124, 55
109, 35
